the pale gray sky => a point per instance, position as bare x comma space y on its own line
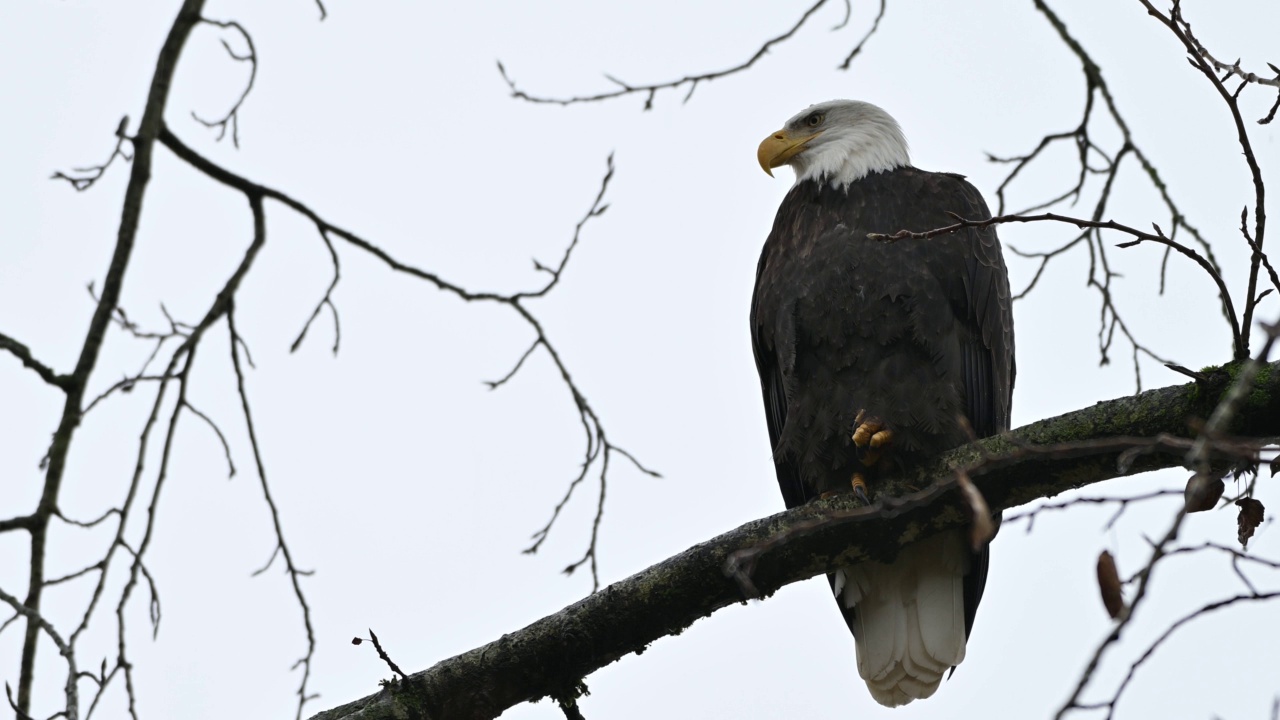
410, 488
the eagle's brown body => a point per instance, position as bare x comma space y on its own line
914, 332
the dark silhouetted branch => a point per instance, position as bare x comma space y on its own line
232, 117
857, 49
1035, 461
1224, 295
1182, 30
1123, 501
140, 175
1199, 458
382, 654
70, 688
1093, 160
295, 573
1235, 70
23, 354
85, 177
652, 89
598, 446
327, 300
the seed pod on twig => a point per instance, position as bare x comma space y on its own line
1202, 493
1109, 584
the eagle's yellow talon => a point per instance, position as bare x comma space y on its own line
871, 436
860, 488
882, 438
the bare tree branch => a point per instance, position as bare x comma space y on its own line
1111, 703
1182, 29
1123, 501
1197, 458
598, 445
295, 574
1092, 159
857, 49
85, 177
1234, 69
326, 300
70, 689
651, 89
1224, 295
627, 616
23, 354
232, 116
140, 174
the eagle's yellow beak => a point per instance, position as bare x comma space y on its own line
780, 147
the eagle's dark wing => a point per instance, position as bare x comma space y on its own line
983, 305
764, 342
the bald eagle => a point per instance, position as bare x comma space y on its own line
870, 353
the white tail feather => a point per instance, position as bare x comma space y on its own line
909, 628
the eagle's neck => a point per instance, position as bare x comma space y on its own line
874, 145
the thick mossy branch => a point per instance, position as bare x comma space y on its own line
1110, 439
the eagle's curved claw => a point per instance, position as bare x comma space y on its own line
871, 436
860, 488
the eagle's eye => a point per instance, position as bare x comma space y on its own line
814, 120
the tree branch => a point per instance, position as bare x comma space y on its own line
1182, 29
1038, 460
45, 372
140, 175
1093, 159
1239, 340
598, 445
651, 89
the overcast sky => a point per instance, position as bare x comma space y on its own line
411, 489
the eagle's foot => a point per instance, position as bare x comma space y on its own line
871, 436
860, 488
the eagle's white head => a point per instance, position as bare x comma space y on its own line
839, 141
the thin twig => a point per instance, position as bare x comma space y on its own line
1094, 160
1224, 295
140, 173
596, 441
326, 300
295, 574
226, 449
1182, 30
232, 117
85, 177
1123, 502
70, 688
857, 49
650, 90
1198, 458
373, 637
1111, 703
23, 354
